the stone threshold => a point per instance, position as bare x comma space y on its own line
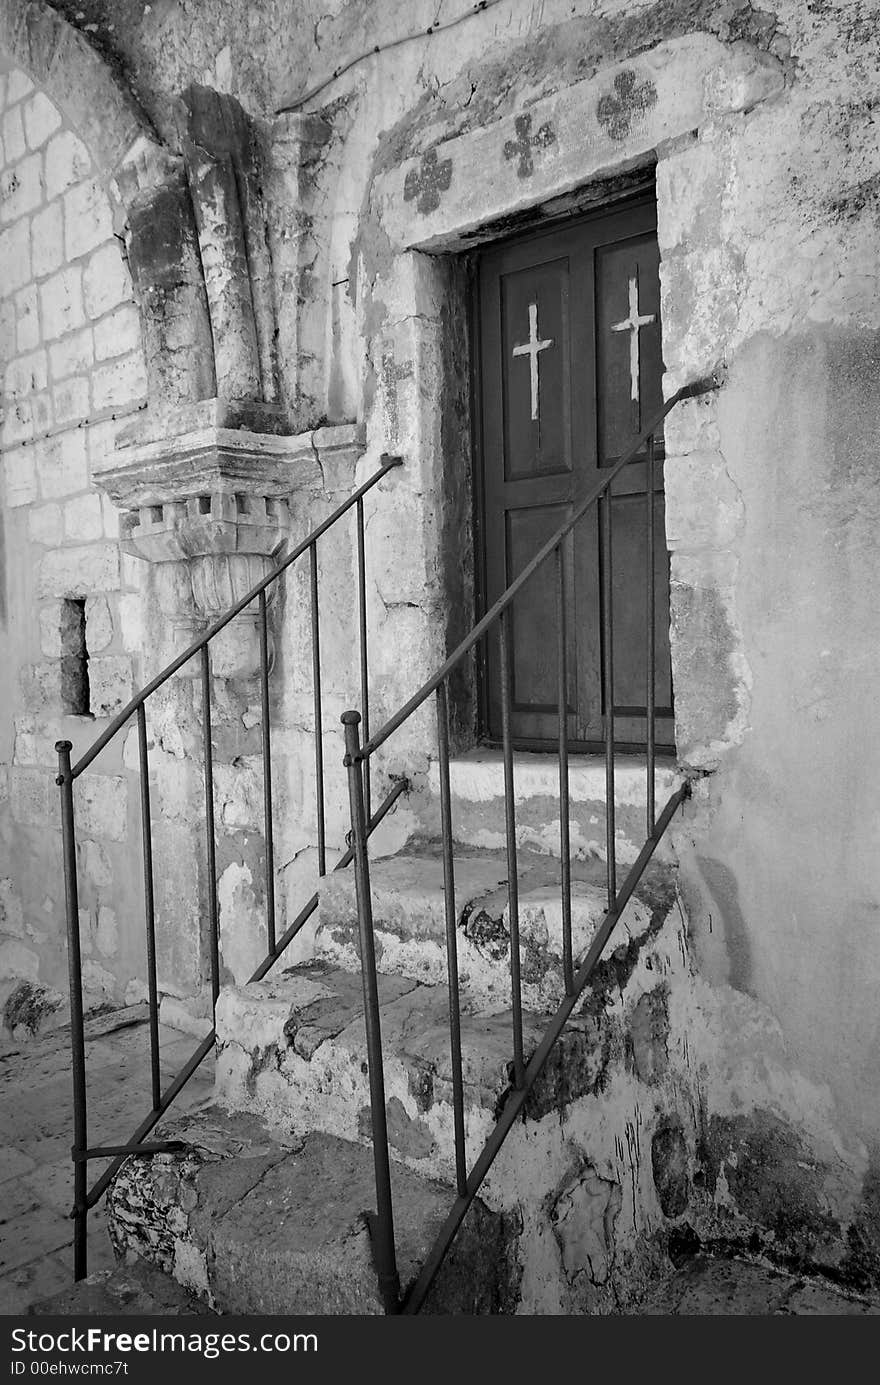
477, 776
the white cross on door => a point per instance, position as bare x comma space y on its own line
632, 324
531, 348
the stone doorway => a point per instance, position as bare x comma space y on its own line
567, 347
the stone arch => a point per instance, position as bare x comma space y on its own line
146, 184
59, 58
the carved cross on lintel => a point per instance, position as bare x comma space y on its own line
426, 183
525, 142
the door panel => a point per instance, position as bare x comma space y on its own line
618, 267
540, 446
570, 368
533, 655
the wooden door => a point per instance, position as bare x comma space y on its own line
569, 371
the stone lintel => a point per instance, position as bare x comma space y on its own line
609, 122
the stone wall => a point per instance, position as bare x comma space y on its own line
72, 371
767, 175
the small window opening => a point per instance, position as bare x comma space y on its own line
74, 658
243, 504
204, 504
156, 512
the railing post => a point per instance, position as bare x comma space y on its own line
650, 655
77, 1033
608, 694
451, 938
510, 832
319, 713
149, 906
383, 1238
210, 834
564, 828
265, 737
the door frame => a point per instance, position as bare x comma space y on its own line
639, 190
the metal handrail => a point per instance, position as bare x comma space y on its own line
525, 1071
85, 1197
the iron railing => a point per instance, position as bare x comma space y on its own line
525, 1069
85, 1196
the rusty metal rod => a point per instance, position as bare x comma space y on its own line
510, 831
362, 622
318, 712
383, 1238
650, 655
451, 937
608, 693
564, 827
210, 839
265, 737
80, 1211
149, 905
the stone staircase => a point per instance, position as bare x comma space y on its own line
266, 1206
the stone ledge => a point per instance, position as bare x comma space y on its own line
478, 777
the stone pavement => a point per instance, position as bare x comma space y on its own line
36, 1182
36, 1259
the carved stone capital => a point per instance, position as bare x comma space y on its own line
208, 486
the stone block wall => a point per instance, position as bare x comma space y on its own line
72, 371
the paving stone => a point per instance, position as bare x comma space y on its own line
18, 1289
30, 1235
138, 1290
13, 1162
50, 1149
16, 1198
36, 1256
52, 1184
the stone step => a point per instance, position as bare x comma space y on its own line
477, 796
254, 1224
292, 1050
598, 1163
409, 919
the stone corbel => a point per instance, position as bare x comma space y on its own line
208, 498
